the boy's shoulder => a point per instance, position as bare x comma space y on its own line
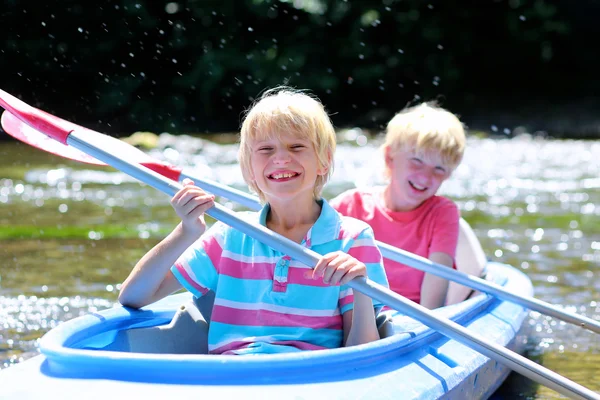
438, 206
351, 227
441, 201
356, 197
360, 192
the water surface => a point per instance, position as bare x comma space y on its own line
70, 233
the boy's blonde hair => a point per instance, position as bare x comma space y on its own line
427, 128
286, 110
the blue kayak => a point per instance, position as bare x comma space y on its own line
160, 352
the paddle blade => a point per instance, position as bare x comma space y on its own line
58, 130
23, 132
20, 130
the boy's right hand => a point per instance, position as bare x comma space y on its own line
190, 203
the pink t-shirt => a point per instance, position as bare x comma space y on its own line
432, 227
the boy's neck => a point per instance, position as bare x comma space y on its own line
293, 219
391, 203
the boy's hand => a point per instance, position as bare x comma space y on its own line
338, 267
190, 204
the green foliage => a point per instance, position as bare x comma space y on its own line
127, 65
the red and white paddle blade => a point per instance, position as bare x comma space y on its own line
23, 132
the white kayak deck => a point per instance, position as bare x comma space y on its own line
415, 363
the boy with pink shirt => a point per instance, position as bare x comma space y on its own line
423, 146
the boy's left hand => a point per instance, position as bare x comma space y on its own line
338, 267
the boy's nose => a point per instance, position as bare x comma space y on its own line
281, 157
427, 175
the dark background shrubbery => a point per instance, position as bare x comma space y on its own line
193, 66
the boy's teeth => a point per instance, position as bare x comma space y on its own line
285, 175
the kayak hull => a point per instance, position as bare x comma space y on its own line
87, 355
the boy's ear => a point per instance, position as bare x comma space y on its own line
325, 168
387, 153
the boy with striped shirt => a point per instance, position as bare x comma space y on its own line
266, 302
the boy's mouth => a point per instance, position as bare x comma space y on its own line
417, 186
280, 176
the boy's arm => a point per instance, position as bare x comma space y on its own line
434, 288
442, 250
359, 323
359, 318
151, 278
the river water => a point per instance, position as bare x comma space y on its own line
70, 232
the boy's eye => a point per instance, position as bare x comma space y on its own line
297, 146
416, 160
265, 149
440, 170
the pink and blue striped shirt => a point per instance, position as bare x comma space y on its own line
264, 301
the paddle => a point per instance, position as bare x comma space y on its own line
91, 143
23, 132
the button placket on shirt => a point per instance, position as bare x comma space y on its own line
280, 278
281, 274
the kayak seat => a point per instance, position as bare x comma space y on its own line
187, 333
385, 325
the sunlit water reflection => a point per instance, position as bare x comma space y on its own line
70, 233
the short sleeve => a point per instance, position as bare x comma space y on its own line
197, 268
445, 230
365, 250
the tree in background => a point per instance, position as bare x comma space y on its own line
194, 66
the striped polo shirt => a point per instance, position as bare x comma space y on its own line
265, 301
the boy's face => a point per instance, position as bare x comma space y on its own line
285, 166
415, 177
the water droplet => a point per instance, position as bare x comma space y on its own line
573, 224
172, 8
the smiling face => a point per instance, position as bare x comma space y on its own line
286, 140
423, 145
415, 177
284, 166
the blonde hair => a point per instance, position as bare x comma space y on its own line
427, 128
282, 110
